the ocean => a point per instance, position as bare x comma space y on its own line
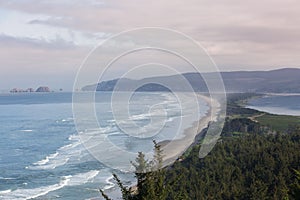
41, 153
277, 104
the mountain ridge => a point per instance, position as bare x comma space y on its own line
284, 80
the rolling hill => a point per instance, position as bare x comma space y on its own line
285, 80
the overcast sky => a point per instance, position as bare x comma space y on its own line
44, 42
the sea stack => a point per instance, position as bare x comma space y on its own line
43, 89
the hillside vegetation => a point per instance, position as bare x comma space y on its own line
251, 161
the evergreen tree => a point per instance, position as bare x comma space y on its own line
295, 189
150, 178
250, 166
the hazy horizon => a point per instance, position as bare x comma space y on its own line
65, 89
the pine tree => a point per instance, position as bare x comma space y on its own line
295, 193
104, 195
150, 178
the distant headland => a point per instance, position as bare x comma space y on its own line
285, 80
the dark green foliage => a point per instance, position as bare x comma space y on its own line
248, 167
295, 189
104, 195
240, 125
125, 191
251, 166
126, 194
254, 164
150, 178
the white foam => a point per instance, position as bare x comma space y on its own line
6, 178
42, 162
140, 116
26, 130
50, 165
82, 178
74, 180
5, 191
170, 119
73, 137
33, 193
109, 183
61, 156
67, 120
105, 179
47, 159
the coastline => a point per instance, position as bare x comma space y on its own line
278, 109
170, 153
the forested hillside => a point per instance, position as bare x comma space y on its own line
250, 161
251, 166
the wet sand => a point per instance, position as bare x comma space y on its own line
175, 148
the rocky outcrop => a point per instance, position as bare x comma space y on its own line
43, 89
18, 90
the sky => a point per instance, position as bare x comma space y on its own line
45, 42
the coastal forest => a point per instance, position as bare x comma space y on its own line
254, 159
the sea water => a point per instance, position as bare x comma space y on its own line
277, 104
41, 154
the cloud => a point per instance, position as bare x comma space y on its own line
56, 44
259, 34
30, 63
231, 20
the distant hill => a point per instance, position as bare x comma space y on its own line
285, 80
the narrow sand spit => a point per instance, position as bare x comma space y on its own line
175, 148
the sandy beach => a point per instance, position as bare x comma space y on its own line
175, 148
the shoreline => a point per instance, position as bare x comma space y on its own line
171, 152
272, 110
